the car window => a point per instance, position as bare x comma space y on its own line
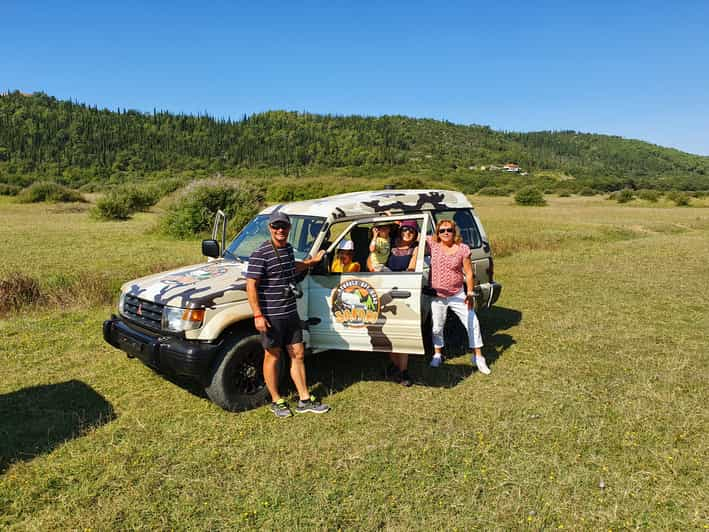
304, 230
361, 235
466, 222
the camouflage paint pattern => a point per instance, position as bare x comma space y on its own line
358, 204
199, 286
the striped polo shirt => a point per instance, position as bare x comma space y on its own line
273, 278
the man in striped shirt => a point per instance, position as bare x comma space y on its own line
271, 286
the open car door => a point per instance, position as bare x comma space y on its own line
368, 311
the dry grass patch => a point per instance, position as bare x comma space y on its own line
18, 290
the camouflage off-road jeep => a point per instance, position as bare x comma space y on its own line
195, 322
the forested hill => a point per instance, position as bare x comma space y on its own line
42, 137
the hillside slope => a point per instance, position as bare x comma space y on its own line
42, 137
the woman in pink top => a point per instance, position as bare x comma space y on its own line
453, 280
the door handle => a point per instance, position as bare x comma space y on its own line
400, 294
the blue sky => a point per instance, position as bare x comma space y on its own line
635, 69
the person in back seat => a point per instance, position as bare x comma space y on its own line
379, 248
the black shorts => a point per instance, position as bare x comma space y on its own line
282, 332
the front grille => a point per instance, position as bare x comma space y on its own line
143, 312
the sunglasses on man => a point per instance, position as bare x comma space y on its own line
446, 230
409, 229
280, 225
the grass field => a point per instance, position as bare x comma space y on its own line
594, 418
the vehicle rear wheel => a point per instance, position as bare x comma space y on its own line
237, 381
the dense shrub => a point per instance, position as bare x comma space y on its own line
112, 206
681, 199
48, 191
167, 186
622, 196
119, 203
493, 191
587, 191
9, 190
193, 209
649, 195
564, 193
530, 196
280, 193
138, 198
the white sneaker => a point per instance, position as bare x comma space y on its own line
436, 361
479, 361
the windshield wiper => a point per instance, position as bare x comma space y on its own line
237, 259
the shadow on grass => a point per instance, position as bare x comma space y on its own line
333, 371
337, 370
35, 420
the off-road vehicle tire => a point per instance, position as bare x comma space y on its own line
236, 382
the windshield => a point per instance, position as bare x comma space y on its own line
303, 231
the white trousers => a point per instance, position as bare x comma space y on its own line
467, 317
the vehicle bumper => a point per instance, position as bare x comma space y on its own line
166, 354
495, 290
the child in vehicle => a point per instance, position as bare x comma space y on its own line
379, 248
343, 263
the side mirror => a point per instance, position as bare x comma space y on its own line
486, 246
210, 248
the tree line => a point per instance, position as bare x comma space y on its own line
42, 137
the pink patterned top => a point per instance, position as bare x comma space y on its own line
447, 276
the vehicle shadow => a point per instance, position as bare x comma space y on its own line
334, 371
492, 322
36, 420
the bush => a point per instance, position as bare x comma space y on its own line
493, 191
649, 195
587, 191
166, 186
112, 207
564, 193
48, 191
530, 196
138, 198
622, 196
193, 209
9, 190
120, 202
681, 199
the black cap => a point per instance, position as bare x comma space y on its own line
278, 216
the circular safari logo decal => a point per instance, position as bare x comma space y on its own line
355, 303
193, 276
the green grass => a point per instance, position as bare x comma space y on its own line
600, 373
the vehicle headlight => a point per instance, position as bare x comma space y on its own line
181, 319
121, 303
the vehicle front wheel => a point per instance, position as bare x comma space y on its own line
237, 381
